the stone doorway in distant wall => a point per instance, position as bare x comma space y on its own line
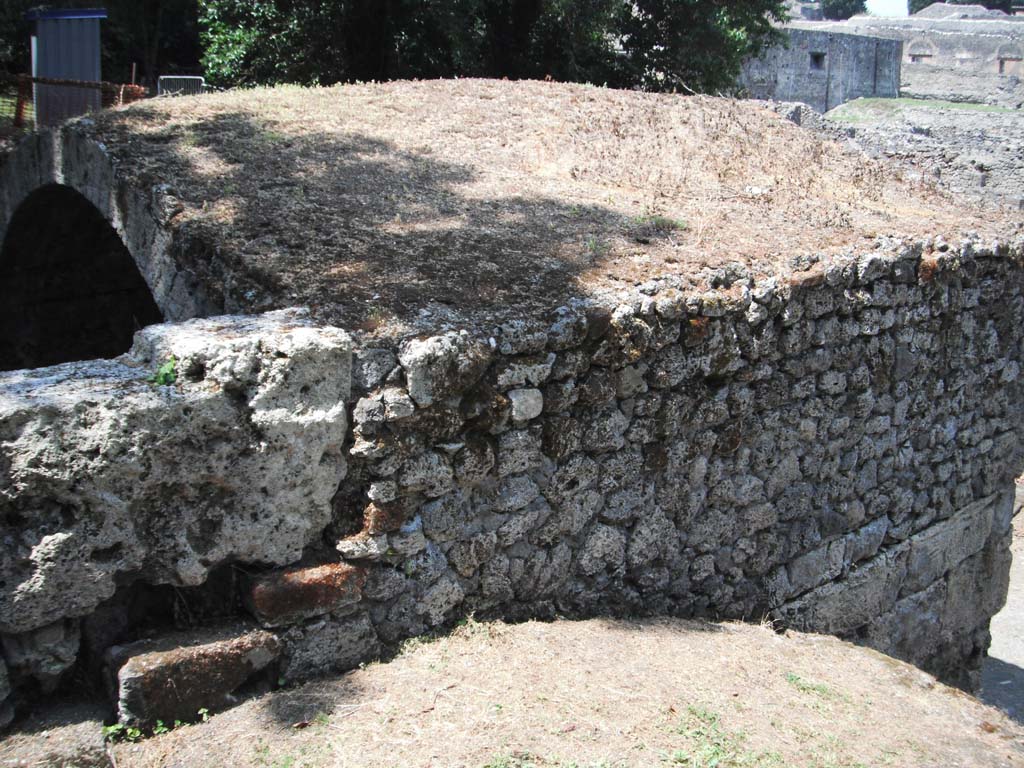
69, 288
1011, 60
920, 51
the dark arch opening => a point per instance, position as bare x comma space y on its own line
69, 288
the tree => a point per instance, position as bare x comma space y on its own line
842, 9
694, 45
654, 44
161, 36
268, 41
14, 36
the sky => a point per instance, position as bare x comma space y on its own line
888, 7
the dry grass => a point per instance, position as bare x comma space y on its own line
606, 693
383, 199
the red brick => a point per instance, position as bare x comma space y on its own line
174, 677
291, 595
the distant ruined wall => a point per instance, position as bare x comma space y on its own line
825, 69
970, 60
833, 448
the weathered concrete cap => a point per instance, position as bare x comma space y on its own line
293, 594
174, 677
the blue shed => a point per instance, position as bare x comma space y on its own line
66, 46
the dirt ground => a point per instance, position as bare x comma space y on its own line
606, 693
374, 202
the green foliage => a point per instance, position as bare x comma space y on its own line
659, 223
666, 45
121, 732
712, 746
160, 36
679, 46
805, 686
166, 375
842, 9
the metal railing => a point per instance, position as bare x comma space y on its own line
180, 85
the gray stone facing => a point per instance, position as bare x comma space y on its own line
838, 461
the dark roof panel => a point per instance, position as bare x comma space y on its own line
39, 14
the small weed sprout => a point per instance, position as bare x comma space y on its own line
166, 374
806, 686
597, 248
121, 732
660, 224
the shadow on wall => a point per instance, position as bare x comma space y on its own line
356, 224
70, 288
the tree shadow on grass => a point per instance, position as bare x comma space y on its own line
361, 229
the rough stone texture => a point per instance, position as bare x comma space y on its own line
328, 645
104, 473
833, 447
977, 154
172, 679
43, 654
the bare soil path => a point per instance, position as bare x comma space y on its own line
606, 693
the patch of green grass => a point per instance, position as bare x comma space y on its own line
510, 761
710, 745
806, 686
867, 110
659, 223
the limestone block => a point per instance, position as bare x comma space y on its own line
440, 598
428, 472
441, 366
528, 370
944, 545
526, 404
841, 606
408, 540
106, 473
328, 645
371, 366
174, 677
519, 450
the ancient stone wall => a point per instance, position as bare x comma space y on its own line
825, 69
955, 59
833, 449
